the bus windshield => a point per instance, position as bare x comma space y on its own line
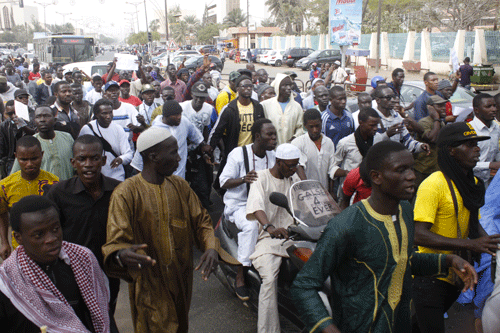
67, 53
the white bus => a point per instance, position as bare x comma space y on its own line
64, 49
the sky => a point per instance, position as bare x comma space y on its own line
108, 16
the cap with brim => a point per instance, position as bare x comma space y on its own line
290, 73
314, 64
110, 84
151, 137
20, 92
244, 71
3, 79
458, 132
287, 151
123, 82
436, 99
234, 75
199, 89
67, 71
147, 87
444, 84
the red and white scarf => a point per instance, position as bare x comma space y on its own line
32, 292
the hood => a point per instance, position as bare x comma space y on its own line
276, 83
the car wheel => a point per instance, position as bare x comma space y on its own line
294, 63
277, 63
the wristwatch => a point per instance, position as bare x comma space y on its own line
118, 260
267, 226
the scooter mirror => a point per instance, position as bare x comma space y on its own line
280, 200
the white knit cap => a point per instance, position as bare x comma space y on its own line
287, 151
151, 137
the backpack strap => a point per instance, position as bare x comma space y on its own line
247, 165
105, 144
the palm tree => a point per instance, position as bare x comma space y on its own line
288, 12
180, 31
235, 18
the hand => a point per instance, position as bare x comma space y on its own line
411, 124
485, 244
5, 250
432, 112
208, 159
425, 147
450, 119
206, 149
250, 177
464, 270
133, 128
115, 60
206, 62
277, 233
141, 120
494, 165
208, 263
394, 129
330, 329
458, 74
131, 259
116, 162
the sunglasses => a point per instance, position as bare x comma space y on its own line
388, 97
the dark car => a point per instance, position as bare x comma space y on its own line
294, 54
192, 63
207, 49
319, 57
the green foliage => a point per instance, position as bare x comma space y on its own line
106, 40
64, 28
154, 25
235, 18
142, 37
268, 22
289, 14
208, 32
320, 10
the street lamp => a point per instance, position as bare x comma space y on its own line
136, 4
132, 19
64, 16
45, 5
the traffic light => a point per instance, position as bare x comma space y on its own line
150, 37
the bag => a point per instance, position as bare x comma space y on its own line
105, 144
464, 254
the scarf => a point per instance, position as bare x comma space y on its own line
32, 292
360, 142
472, 193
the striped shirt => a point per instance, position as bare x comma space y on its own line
404, 137
336, 128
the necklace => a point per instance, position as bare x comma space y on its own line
254, 159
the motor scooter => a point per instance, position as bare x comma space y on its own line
311, 207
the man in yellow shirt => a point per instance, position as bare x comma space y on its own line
446, 218
30, 180
227, 94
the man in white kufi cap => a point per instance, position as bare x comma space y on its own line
274, 221
154, 221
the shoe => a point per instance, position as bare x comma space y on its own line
242, 293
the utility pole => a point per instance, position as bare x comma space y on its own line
136, 4
248, 25
377, 50
147, 28
131, 20
166, 24
77, 20
44, 5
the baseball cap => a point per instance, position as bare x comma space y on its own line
123, 82
199, 89
436, 99
314, 64
111, 84
456, 133
148, 87
234, 75
444, 84
20, 92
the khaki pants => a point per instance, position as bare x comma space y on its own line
268, 266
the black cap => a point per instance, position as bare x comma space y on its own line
20, 92
456, 133
199, 89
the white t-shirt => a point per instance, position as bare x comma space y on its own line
200, 119
235, 168
93, 96
339, 75
125, 115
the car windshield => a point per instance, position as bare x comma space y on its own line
314, 54
461, 95
191, 61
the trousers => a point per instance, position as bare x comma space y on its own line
432, 298
247, 237
268, 266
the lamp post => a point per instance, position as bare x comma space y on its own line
64, 16
166, 24
136, 4
131, 19
45, 5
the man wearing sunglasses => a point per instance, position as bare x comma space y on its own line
391, 122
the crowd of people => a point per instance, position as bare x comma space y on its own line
114, 182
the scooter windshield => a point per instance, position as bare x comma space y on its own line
311, 204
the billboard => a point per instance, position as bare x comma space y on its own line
345, 21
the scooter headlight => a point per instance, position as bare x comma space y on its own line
303, 253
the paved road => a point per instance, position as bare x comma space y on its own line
213, 308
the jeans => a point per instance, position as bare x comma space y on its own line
432, 298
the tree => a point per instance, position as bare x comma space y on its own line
319, 9
268, 22
154, 25
235, 18
61, 28
142, 37
207, 33
179, 32
289, 14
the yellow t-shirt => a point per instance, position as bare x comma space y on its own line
14, 187
434, 204
246, 123
223, 99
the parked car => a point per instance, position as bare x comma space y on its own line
207, 49
294, 54
319, 57
90, 68
183, 53
257, 52
264, 57
276, 59
192, 63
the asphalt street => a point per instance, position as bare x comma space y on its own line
213, 307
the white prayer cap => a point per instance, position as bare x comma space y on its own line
152, 136
287, 151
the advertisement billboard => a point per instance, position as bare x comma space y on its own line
345, 21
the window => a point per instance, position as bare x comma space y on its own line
6, 18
